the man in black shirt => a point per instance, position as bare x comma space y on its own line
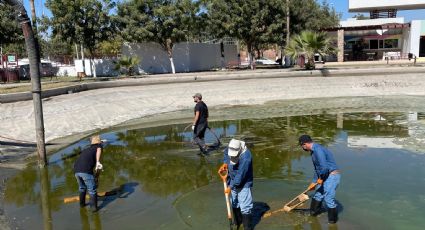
87, 162
200, 122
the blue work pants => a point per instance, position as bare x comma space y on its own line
242, 198
86, 182
327, 191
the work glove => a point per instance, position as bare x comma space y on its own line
99, 166
319, 181
193, 128
311, 186
227, 190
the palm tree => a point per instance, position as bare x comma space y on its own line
126, 64
309, 43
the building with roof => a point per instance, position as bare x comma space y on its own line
382, 35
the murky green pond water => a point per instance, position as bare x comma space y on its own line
163, 184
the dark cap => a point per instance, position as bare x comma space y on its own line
198, 95
304, 139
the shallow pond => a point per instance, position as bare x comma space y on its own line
161, 183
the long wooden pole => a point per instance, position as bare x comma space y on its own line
288, 20
44, 195
33, 52
33, 16
288, 28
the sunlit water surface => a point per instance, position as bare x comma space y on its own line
161, 182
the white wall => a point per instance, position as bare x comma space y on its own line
188, 57
153, 58
415, 37
367, 5
405, 41
104, 67
371, 22
69, 71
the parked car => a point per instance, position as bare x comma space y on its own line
46, 70
24, 72
265, 61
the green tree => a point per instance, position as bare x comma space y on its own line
10, 32
260, 24
165, 22
311, 15
17, 48
254, 22
84, 22
110, 47
53, 47
308, 44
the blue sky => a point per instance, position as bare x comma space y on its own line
341, 6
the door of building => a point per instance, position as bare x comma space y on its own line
422, 47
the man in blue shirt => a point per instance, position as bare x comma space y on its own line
239, 181
327, 176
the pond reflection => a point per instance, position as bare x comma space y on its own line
148, 169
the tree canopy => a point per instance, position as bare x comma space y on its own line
310, 15
252, 21
259, 23
10, 31
103, 25
80, 21
165, 22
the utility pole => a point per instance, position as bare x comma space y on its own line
33, 16
34, 59
82, 57
288, 18
288, 28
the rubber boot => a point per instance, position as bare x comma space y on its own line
82, 199
238, 217
93, 203
247, 221
332, 215
315, 207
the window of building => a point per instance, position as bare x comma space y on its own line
373, 44
381, 44
349, 45
390, 43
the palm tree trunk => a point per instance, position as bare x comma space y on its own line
311, 64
